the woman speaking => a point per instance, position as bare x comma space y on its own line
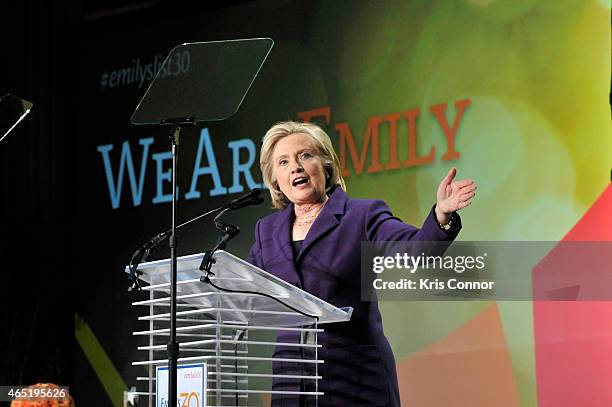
314, 242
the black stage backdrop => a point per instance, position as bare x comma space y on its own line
36, 160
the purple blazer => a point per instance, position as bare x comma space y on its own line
359, 368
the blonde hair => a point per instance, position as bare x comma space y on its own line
331, 163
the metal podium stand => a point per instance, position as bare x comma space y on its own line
213, 326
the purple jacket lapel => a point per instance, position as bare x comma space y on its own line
328, 219
282, 235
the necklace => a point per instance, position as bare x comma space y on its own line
306, 220
309, 218
312, 207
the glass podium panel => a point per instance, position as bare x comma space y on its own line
233, 273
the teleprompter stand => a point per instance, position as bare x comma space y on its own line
198, 82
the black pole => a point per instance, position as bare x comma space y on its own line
173, 347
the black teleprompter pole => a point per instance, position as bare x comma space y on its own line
173, 347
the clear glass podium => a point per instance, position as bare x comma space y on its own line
213, 326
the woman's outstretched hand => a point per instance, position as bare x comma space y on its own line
453, 196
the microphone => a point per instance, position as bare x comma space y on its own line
141, 255
229, 231
251, 198
227, 228
150, 244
